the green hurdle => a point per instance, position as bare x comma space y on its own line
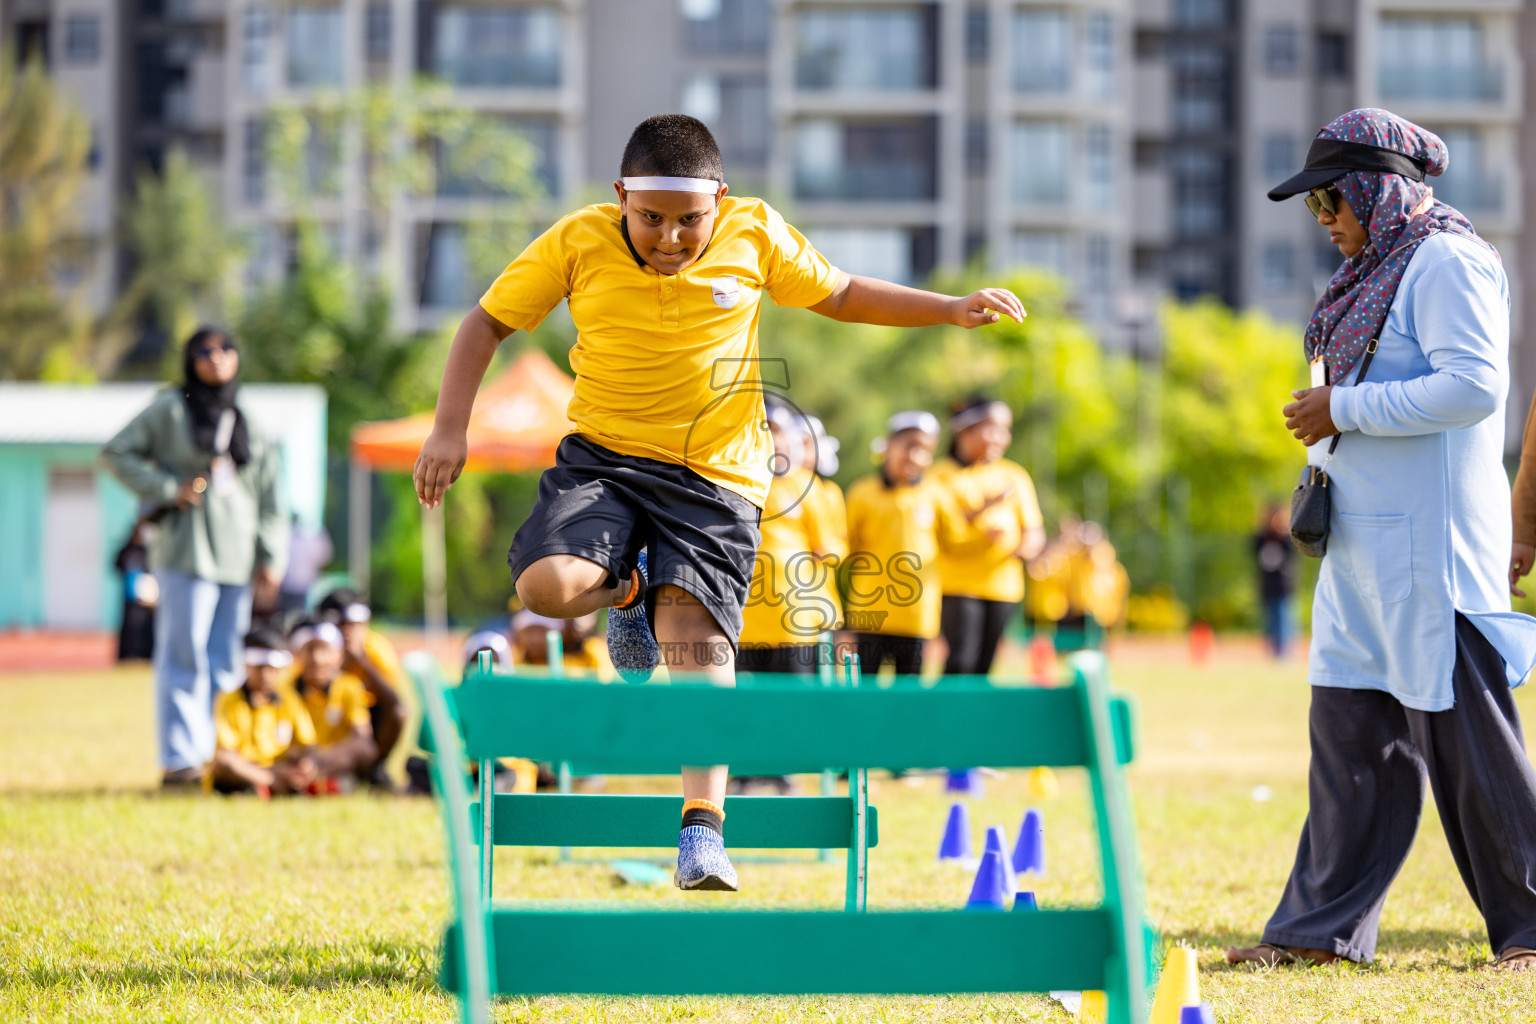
496, 948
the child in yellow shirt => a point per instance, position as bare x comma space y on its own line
892, 574
652, 507
368, 655
263, 729
335, 701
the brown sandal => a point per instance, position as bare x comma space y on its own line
1516, 958
1268, 954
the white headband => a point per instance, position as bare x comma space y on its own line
487, 639
970, 417
356, 612
703, 186
913, 419
325, 632
267, 656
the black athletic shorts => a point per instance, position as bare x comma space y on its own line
605, 507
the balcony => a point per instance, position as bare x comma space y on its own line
487, 48
865, 51
1444, 83
866, 161
1473, 195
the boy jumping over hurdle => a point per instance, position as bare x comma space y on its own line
653, 505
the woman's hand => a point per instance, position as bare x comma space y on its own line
1520, 560
987, 306
1309, 417
439, 465
191, 492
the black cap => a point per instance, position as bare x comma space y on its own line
1331, 159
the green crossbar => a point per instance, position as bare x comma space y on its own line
757, 822
637, 952
520, 950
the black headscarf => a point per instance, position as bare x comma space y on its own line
206, 404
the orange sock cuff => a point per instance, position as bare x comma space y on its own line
704, 805
634, 591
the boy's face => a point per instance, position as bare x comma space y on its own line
355, 634
908, 454
319, 663
669, 229
261, 679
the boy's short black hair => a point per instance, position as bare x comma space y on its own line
674, 146
264, 639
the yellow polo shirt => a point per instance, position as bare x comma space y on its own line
666, 364
892, 573
337, 710
971, 564
793, 596
261, 732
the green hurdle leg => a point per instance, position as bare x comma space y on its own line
554, 653
487, 810
826, 654
858, 791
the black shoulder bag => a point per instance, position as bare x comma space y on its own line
1311, 504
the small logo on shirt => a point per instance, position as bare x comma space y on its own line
284, 733
726, 291
333, 716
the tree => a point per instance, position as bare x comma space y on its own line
44, 143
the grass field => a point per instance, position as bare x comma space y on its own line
124, 906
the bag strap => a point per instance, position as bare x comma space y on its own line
1365, 364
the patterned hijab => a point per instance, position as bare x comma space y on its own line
1354, 307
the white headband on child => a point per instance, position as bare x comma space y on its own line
913, 419
488, 640
703, 186
325, 632
356, 612
970, 417
267, 656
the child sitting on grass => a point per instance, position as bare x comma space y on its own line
368, 655
653, 504
335, 701
264, 732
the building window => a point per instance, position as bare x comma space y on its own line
487, 47
1098, 275
1467, 183
82, 39
1201, 88
976, 147
1282, 50
253, 170
1042, 51
1278, 267
866, 50
316, 49
1046, 250
1425, 58
735, 107
727, 26
1099, 168
1099, 55
977, 28
1332, 56
460, 174
446, 280
378, 31
1041, 159
1198, 14
886, 253
867, 160
1201, 191
255, 50
1280, 156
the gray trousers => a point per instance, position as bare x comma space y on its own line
1370, 759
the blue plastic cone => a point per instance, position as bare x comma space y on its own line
1201, 1014
1025, 901
956, 844
967, 781
988, 891
1029, 851
997, 840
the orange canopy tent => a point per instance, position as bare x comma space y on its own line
518, 421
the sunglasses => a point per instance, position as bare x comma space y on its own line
209, 351
1324, 197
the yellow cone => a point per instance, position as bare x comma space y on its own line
1179, 987
1041, 785
1094, 1008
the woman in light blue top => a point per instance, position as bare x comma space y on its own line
1414, 647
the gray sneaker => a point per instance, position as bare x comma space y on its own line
701, 861
631, 647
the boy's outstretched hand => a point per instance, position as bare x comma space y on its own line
988, 306
438, 466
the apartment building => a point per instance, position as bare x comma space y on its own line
1126, 144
